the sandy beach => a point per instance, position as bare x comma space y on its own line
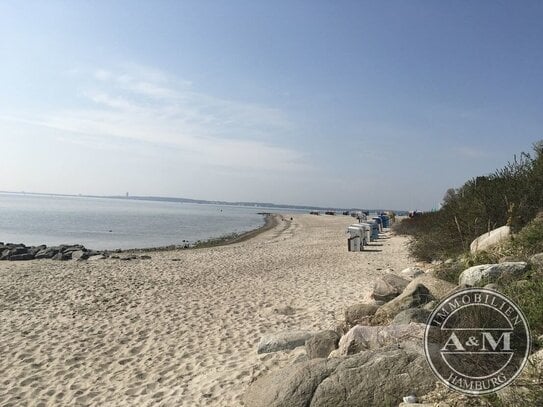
182, 328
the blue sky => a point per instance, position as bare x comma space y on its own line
351, 104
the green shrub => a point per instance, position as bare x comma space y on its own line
528, 241
512, 195
528, 295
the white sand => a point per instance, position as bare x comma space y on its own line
175, 333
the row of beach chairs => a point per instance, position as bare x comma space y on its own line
366, 231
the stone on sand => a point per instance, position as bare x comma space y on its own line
388, 287
359, 314
361, 338
414, 295
321, 344
419, 315
283, 341
371, 378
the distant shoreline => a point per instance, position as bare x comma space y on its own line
262, 205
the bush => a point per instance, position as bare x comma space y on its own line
528, 241
512, 195
527, 295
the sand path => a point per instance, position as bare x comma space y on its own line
182, 328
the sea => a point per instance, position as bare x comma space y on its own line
118, 223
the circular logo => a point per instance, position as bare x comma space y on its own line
477, 341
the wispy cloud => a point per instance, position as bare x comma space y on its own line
139, 104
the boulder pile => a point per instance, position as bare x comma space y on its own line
374, 357
20, 252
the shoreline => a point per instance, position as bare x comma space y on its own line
271, 220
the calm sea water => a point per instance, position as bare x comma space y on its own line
100, 223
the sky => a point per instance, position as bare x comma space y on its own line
375, 104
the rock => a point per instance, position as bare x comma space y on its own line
96, 257
17, 251
283, 341
79, 255
361, 338
23, 256
519, 395
71, 248
127, 258
438, 288
414, 295
388, 287
62, 256
411, 272
442, 396
47, 253
145, 257
34, 250
359, 314
321, 344
491, 272
286, 310
537, 260
527, 388
487, 240
534, 367
407, 316
431, 305
371, 378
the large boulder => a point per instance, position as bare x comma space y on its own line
388, 287
419, 315
438, 288
489, 273
537, 260
62, 256
321, 344
15, 252
371, 378
415, 295
361, 338
283, 341
79, 255
47, 253
22, 256
359, 314
487, 240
